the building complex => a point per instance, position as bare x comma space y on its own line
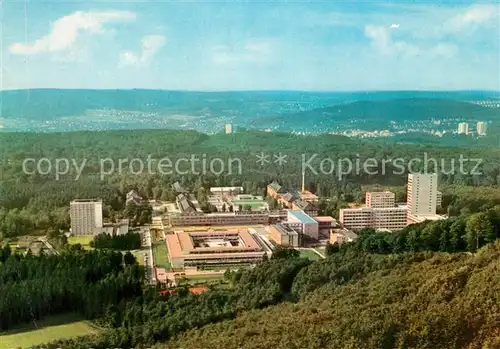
209, 248
382, 213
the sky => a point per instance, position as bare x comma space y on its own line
250, 45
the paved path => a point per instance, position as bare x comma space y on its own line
149, 264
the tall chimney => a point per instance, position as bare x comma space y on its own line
303, 181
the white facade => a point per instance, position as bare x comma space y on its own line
86, 216
463, 128
422, 194
380, 199
389, 218
481, 128
422, 197
301, 221
228, 128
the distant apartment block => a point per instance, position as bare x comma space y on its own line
481, 128
463, 128
228, 128
380, 199
86, 216
422, 197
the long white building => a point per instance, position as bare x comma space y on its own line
86, 216
380, 213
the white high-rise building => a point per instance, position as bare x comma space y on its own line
422, 197
228, 128
86, 216
463, 128
481, 128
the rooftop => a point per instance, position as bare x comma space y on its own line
302, 216
85, 200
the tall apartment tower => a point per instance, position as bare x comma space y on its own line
86, 216
422, 197
481, 128
228, 128
463, 128
380, 199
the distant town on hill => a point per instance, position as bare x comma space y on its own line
365, 114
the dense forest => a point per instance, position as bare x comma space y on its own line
33, 287
351, 299
128, 241
32, 202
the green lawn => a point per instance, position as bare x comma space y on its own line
309, 254
83, 240
139, 255
49, 329
160, 253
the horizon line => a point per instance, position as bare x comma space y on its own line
249, 90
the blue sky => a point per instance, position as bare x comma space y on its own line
295, 45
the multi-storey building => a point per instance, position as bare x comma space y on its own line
463, 128
386, 218
481, 128
380, 199
284, 235
422, 197
86, 216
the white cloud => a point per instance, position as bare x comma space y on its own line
253, 51
150, 45
383, 42
66, 30
473, 17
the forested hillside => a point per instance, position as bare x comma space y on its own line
32, 201
424, 301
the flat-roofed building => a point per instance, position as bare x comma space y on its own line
380, 199
86, 216
214, 248
422, 197
325, 223
226, 191
340, 236
303, 223
227, 218
283, 235
389, 218
481, 128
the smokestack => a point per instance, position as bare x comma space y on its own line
303, 181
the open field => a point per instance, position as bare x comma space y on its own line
83, 240
310, 255
160, 253
47, 330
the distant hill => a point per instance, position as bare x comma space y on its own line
71, 110
381, 114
